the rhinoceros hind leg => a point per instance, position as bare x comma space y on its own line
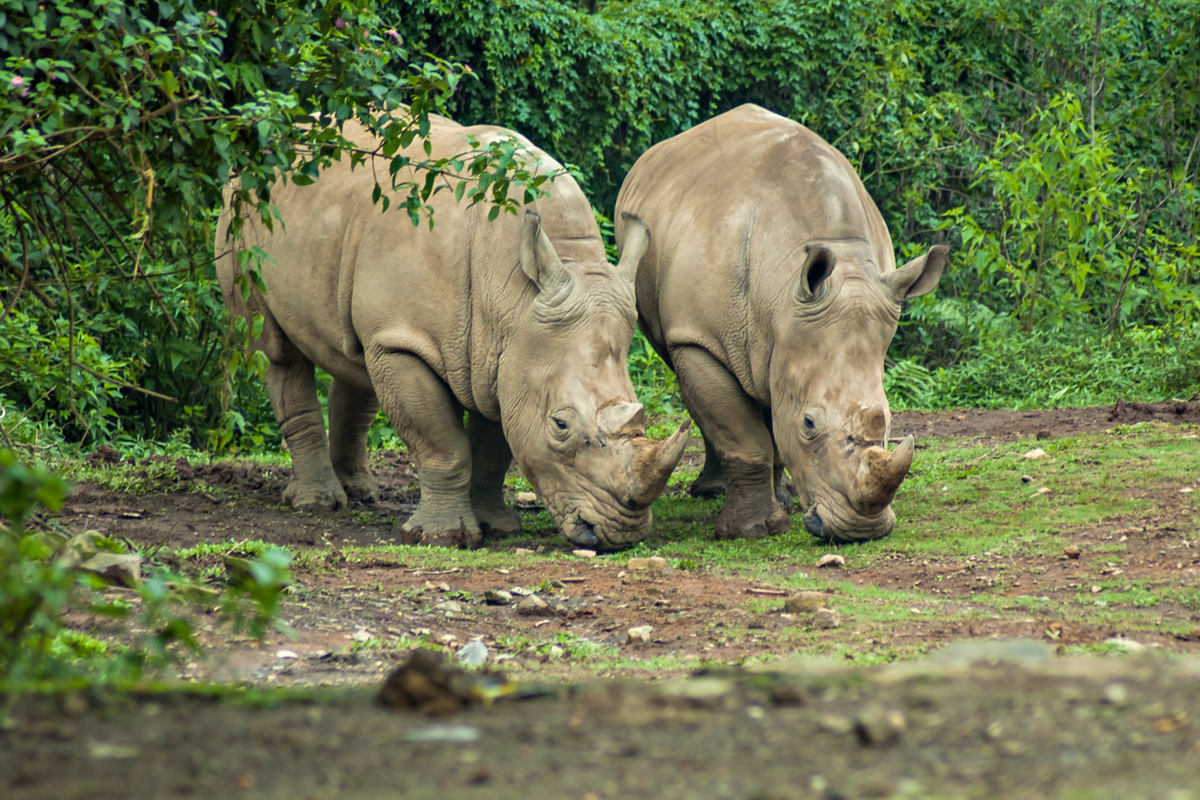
711, 481
293, 390
351, 412
733, 426
490, 459
428, 419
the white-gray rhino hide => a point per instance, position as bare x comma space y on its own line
770, 287
520, 323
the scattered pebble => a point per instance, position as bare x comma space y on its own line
1043, 490
497, 597
804, 603
1071, 551
1116, 694
111, 752
654, 564
362, 635
1036, 452
834, 723
831, 560
527, 498
877, 726
442, 734
1026, 479
1097, 589
1186, 490
1128, 644
556, 651
286, 654
640, 634
523, 551
532, 606
827, 618
473, 654
584, 553
449, 607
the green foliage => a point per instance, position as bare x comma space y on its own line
38, 584
122, 122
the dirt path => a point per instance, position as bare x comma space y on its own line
1126, 581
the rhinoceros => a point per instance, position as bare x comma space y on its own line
770, 287
521, 324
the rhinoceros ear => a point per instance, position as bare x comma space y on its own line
816, 269
920, 275
635, 241
538, 259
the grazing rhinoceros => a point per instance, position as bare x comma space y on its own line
770, 288
522, 323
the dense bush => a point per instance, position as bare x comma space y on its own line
1055, 146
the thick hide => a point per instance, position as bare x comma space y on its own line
520, 323
770, 287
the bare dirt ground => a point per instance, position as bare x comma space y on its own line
995, 732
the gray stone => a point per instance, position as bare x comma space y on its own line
804, 603
449, 607
640, 634
1116, 694
497, 597
123, 568
831, 560
826, 618
473, 654
533, 606
877, 726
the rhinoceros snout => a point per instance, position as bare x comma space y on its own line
841, 524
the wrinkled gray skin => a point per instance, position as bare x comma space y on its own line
521, 323
770, 288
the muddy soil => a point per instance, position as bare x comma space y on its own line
984, 727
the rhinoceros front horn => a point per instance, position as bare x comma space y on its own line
884, 472
653, 464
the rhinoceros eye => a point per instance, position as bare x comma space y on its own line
809, 423
560, 424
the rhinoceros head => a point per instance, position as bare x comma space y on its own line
568, 407
829, 413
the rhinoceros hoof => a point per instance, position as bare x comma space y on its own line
707, 488
499, 523
361, 486
461, 537
754, 527
314, 498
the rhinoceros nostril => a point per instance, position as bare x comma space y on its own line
813, 523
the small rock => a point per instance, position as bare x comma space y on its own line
497, 597
123, 568
804, 603
1026, 479
1115, 694
1043, 490
556, 651
286, 654
584, 553
472, 654
362, 635
526, 498
1071, 551
1128, 644
831, 560
1036, 452
1186, 490
522, 551
449, 607
1096, 589
442, 734
826, 618
653, 564
532, 606
520, 591
835, 723
640, 634
877, 726
557, 584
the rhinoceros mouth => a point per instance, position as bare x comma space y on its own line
597, 531
844, 525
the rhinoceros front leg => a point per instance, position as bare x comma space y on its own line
429, 420
292, 385
733, 423
490, 459
351, 412
711, 481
